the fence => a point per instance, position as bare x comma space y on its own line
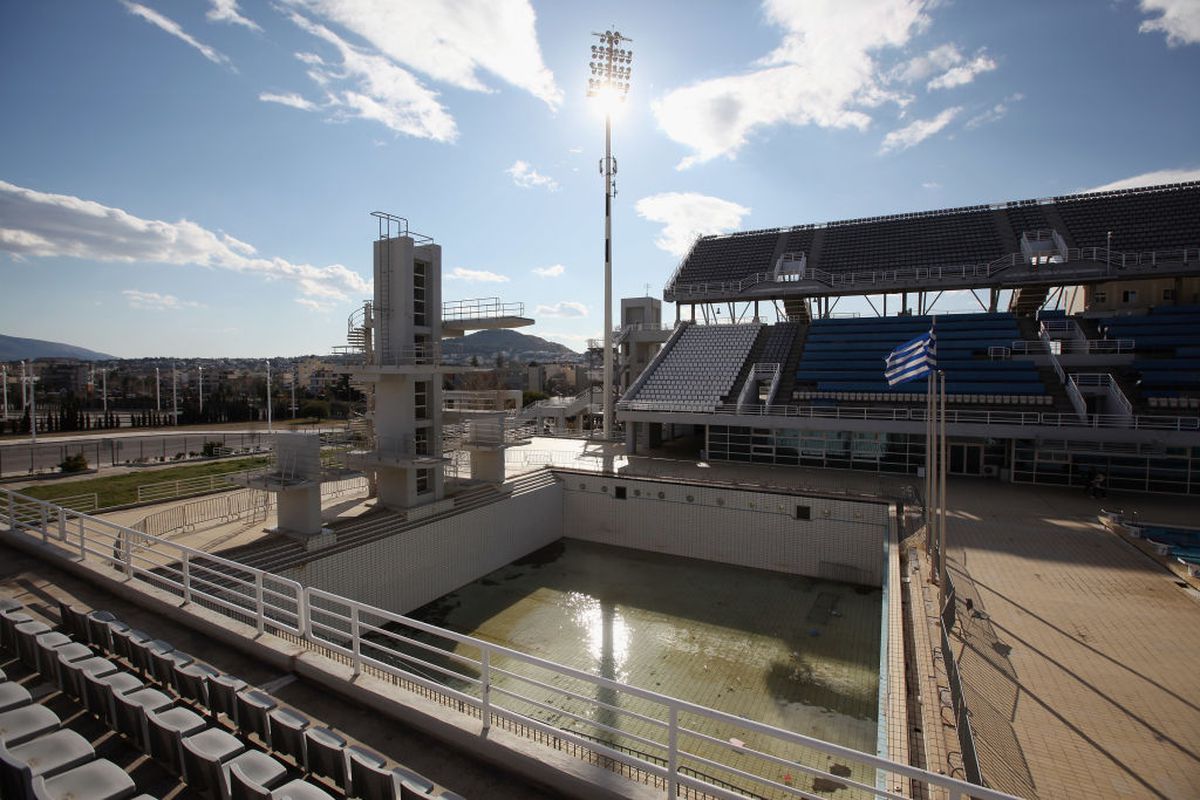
188, 487
685, 748
113, 451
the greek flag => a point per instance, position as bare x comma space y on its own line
913, 359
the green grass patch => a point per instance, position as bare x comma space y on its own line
118, 490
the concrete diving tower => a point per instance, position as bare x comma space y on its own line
393, 354
481, 313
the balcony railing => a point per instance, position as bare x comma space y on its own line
481, 308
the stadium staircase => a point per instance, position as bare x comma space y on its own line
797, 310
787, 379
755, 355
1026, 300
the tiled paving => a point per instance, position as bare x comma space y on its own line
1081, 654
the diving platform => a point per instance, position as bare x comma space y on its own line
481, 313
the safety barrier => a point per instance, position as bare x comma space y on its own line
673, 744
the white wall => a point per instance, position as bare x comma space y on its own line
410, 568
844, 540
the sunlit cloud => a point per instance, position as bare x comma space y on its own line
1156, 178
917, 131
291, 99
823, 73
153, 301
686, 215
525, 176
1178, 19
552, 271
563, 308
476, 275
37, 224
451, 41
227, 11
172, 27
370, 86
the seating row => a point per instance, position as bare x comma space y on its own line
919, 397
191, 718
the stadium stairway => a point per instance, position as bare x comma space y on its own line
787, 380
756, 350
1026, 300
797, 310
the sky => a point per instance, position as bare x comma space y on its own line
194, 178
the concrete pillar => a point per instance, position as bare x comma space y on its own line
487, 465
631, 437
300, 510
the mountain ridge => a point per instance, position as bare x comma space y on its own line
18, 348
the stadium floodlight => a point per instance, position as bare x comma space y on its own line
269, 428
609, 84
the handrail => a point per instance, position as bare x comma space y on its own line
953, 417
393, 645
481, 308
269, 602
1107, 382
874, 277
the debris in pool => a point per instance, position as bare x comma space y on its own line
737, 743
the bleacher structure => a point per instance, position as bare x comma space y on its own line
1084, 356
220, 737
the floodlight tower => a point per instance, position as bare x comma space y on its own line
610, 83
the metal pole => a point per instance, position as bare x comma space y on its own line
269, 428
24, 402
929, 524
201, 390
157, 391
32, 406
4, 381
174, 395
104, 381
942, 496
608, 356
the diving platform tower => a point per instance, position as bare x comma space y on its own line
394, 357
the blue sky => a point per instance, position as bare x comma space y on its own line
194, 178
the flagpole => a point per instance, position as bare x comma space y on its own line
944, 453
929, 524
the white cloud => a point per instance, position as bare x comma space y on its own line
917, 131
476, 275
1179, 20
931, 185
552, 271
41, 225
153, 301
686, 215
1156, 178
370, 86
227, 11
175, 29
919, 68
823, 73
291, 99
963, 73
995, 113
525, 176
451, 41
575, 150
315, 305
563, 308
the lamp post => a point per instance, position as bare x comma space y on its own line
29, 380
4, 383
269, 428
157, 391
609, 82
174, 395
201, 390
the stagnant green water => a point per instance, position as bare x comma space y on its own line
793, 652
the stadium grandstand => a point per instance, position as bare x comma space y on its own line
1081, 356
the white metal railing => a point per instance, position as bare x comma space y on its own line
679, 743
1106, 381
1027, 347
168, 490
953, 417
269, 603
1129, 262
89, 501
481, 308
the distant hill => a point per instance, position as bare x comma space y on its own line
515, 346
14, 348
